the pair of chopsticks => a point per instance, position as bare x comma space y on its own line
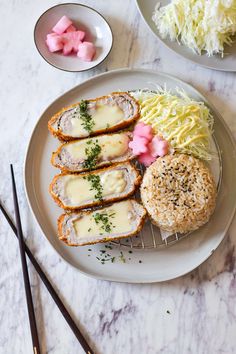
24, 249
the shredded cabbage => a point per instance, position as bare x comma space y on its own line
201, 25
185, 123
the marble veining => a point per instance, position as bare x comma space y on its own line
194, 314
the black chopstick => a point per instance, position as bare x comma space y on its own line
51, 290
29, 300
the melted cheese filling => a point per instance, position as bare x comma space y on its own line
112, 146
113, 182
103, 116
122, 221
79, 190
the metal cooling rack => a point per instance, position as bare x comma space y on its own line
151, 240
150, 236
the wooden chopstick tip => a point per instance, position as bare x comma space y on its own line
12, 174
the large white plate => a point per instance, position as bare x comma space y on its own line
228, 63
168, 263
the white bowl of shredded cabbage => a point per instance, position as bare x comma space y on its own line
203, 31
201, 25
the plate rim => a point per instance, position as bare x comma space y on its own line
83, 5
26, 158
166, 45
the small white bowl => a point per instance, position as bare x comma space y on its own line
84, 18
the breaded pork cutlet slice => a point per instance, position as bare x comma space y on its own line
84, 190
119, 220
92, 153
86, 118
179, 193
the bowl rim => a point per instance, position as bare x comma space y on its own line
77, 4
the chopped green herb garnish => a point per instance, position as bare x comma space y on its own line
106, 259
89, 250
92, 152
95, 182
89, 229
168, 311
81, 112
121, 257
130, 251
104, 219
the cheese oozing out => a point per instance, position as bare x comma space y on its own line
121, 217
103, 116
112, 146
77, 188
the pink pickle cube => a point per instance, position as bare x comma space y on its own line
72, 39
142, 129
139, 125
86, 51
54, 43
138, 145
158, 146
62, 25
67, 48
71, 28
146, 159
78, 35
50, 35
71, 45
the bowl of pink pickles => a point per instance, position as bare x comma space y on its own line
73, 37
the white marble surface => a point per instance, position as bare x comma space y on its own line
117, 318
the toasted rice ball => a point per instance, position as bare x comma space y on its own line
179, 193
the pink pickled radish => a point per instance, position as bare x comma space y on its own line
158, 146
142, 129
67, 38
67, 48
50, 35
146, 159
78, 35
138, 128
138, 145
54, 43
72, 39
71, 28
86, 51
73, 44
62, 25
